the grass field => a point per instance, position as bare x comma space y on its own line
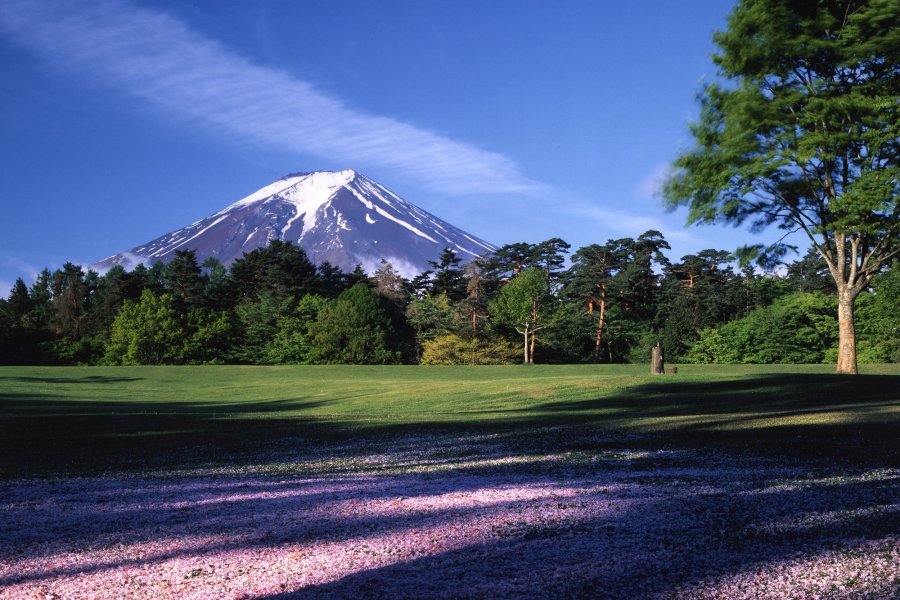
546, 481
83, 418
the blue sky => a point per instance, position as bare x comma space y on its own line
514, 120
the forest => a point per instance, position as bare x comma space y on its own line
532, 303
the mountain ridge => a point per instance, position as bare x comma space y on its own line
342, 217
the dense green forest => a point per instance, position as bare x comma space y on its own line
603, 303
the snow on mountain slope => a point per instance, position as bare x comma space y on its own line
341, 217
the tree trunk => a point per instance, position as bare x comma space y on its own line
526, 347
598, 340
846, 362
657, 366
531, 352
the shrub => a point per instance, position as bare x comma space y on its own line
451, 349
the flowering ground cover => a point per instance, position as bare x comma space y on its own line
653, 495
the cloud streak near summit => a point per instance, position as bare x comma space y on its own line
158, 58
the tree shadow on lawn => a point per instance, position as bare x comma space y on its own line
42, 434
593, 529
85, 379
807, 417
831, 418
757, 393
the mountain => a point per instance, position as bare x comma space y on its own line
341, 217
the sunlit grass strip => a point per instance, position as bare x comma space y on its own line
81, 418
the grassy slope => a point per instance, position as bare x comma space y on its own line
87, 418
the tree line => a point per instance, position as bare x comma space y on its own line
602, 303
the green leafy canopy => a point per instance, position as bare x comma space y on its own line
802, 132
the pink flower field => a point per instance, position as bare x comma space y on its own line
463, 516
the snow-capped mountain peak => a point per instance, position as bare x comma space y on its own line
342, 217
300, 188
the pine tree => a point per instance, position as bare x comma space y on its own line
447, 277
281, 268
550, 255
593, 283
184, 281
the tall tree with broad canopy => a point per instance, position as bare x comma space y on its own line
593, 280
618, 274
355, 329
146, 332
804, 134
510, 260
527, 304
551, 256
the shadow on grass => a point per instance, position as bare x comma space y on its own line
830, 416
759, 393
854, 419
85, 379
41, 434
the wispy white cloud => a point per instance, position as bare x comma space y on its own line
651, 185
21, 267
14, 266
158, 58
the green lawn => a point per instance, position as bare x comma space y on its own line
87, 418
